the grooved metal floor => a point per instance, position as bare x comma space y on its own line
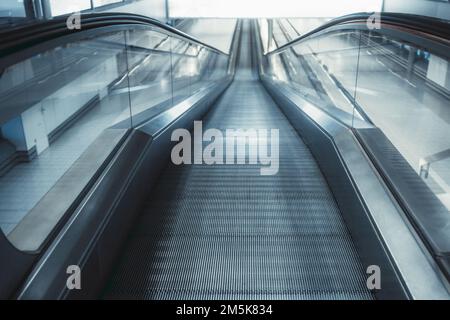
226, 232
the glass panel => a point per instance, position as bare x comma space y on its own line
182, 65
217, 33
266, 39
305, 25
209, 67
279, 33
323, 70
218, 66
405, 91
337, 54
59, 109
64, 111
198, 67
149, 61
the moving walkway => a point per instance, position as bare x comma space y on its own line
345, 200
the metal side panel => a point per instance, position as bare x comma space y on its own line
19, 264
425, 211
376, 222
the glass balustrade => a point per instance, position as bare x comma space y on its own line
65, 109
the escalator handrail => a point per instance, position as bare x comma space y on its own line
22, 37
435, 29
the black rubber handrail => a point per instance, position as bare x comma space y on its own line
15, 39
436, 29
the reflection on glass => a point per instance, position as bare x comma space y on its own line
323, 69
182, 61
405, 91
367, 76
64, 111
149, 61
59, 104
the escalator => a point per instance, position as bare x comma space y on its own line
88, 187
225, 232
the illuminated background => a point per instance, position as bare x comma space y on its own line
270, 8
166, 9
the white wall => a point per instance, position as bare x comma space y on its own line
65, 102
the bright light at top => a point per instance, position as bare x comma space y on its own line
270, 8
